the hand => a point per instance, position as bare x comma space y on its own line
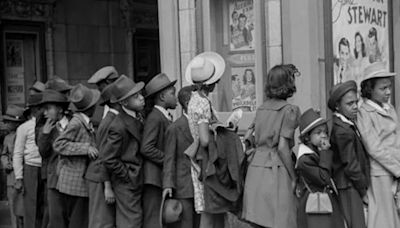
167, 191
48, 126
19, 185
325, 144
109, 195
93, 152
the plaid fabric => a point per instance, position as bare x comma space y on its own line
73, 146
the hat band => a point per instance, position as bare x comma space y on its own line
212, 74
310, 125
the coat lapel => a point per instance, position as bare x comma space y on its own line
183, 127
133, 125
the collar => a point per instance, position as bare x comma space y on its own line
115, 111
85, 117
63, 122
164, 112
274, 104
343, 118
130, 112
303, 150
186, 115
384, 109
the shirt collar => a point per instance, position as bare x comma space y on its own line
164, 112
186, 115
383, 109
130, 112
85, 117
343, 118
63, 122
115, 111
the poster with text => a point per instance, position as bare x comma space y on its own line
243, 88
241, 25
360, 31
15, 72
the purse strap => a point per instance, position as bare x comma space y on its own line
330, 179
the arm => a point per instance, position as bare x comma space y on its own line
169, 168
375, 144
285, 154
66, 145
204, 134
111, 150
6, 156
149, 142
18, 157
318, 173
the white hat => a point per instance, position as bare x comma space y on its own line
205, 68
376, 70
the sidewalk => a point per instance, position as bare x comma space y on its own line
4, 215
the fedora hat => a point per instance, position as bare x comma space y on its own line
157, 84
309, 120
124, 87
82, 98
14, 113
338, 91
170, 211
34, 100
377, 70
205, 68
107, 72
106, 94
38, 86
58, 84
52, 96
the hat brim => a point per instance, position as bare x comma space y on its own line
214, 58
95, 99
381, 74
161, 88
313, 125
139, 86
9, 118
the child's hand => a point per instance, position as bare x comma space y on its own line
325, 144
109, 195
48, 126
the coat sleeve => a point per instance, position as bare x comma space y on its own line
347, 154
18, 156
169, 168
111, 150
149, 141
66, 143
317, 173
375, 144
44, 143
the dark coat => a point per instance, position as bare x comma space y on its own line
152, 147
315, 170
96, 171
121, 149
176, 170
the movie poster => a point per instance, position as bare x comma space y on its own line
15, 72
241, 25
360, 31
243, 88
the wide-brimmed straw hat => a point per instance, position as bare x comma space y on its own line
170, 211
309, 120
82, 98
14, 113
107, 72
338, 91
124, 88
376, 70
205, 68
157, 84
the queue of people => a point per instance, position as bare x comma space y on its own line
115, 157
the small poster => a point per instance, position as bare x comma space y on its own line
360, 31
15, 72
241, 25
243, 88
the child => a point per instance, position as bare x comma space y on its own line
162, 91
54, 104
350, 159
75, 146
121, 152
177, 179
12, 119
314, 165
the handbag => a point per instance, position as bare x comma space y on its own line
318, 202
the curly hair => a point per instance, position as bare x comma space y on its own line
280, 81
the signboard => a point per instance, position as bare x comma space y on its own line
15, 72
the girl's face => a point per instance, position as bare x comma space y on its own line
319, 134
382, 91
358, 44
348, 105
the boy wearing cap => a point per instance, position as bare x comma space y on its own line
27, 164
101, 194
177, 179
162, 91
12, 119
350, 160
54, 105
121, 152
75, 146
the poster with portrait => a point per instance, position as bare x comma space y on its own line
360, 30
243, 88
241, 25
15, 72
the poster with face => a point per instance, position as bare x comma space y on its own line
360, 31
241, 25
15, 72
243, 88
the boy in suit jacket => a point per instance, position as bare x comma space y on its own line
101, 195
120, 152
177, 179
75, 146
162, 91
